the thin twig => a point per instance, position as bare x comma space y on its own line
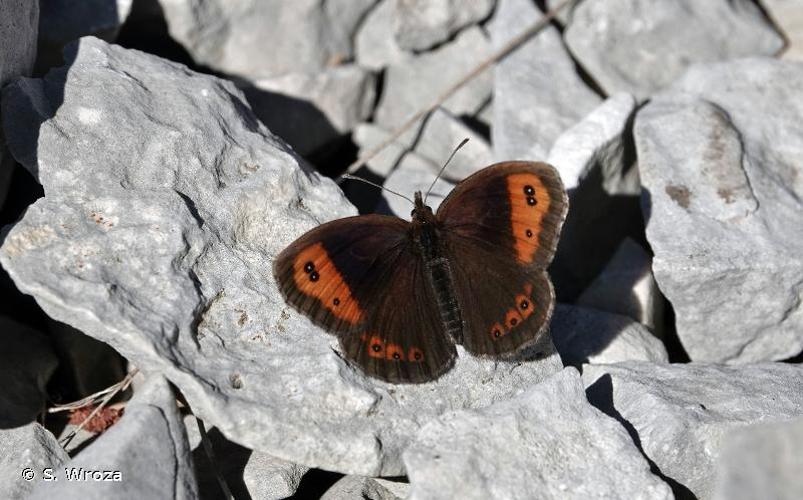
91, 399
123, 385
509, 47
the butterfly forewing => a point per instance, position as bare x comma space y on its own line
501, 227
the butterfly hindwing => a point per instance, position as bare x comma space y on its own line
501, 227
504, 308
359, 279
403, 338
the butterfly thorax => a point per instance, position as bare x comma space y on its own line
425, 232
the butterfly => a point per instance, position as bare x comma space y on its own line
400, 295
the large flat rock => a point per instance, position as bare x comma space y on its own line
412, 83
650, 46
681, 414
165, 202
719, 158
538, 93
762, 461
421, 24
546, 443
311, 110
258, 39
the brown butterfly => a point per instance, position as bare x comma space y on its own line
399, 295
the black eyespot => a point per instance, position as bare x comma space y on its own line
417, 356
497, 333
531, 201
514, 322
314, 276
376, 347
529, 233
524, 304
336, 301
396, 355
528, 190
309, 267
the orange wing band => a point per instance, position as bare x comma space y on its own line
316, 276
529, 204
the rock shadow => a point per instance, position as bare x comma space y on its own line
595, 226
600, 395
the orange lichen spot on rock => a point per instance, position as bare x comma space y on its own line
529, 203
316, 275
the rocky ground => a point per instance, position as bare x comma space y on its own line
155, 155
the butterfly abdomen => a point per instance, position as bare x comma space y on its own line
440, 279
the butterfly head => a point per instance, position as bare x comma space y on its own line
422, 213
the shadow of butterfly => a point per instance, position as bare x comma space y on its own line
399, 295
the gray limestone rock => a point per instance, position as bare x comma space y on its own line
667, 36
761, 461
374, 45
28, 447
441, 133
259, 39
369, 488
414, 173
146, 451
420, 24
546, 443
19, 24
412, 162
368, 136
268, 477
626, 286
681, 414
166, 255
719, 159
309, 110
538, 93
416, 82
26, 363
584, 335
599, 141
788, 16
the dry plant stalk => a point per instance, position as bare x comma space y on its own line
509, 47
121, 386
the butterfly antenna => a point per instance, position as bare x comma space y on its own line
462, 143
383, 188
